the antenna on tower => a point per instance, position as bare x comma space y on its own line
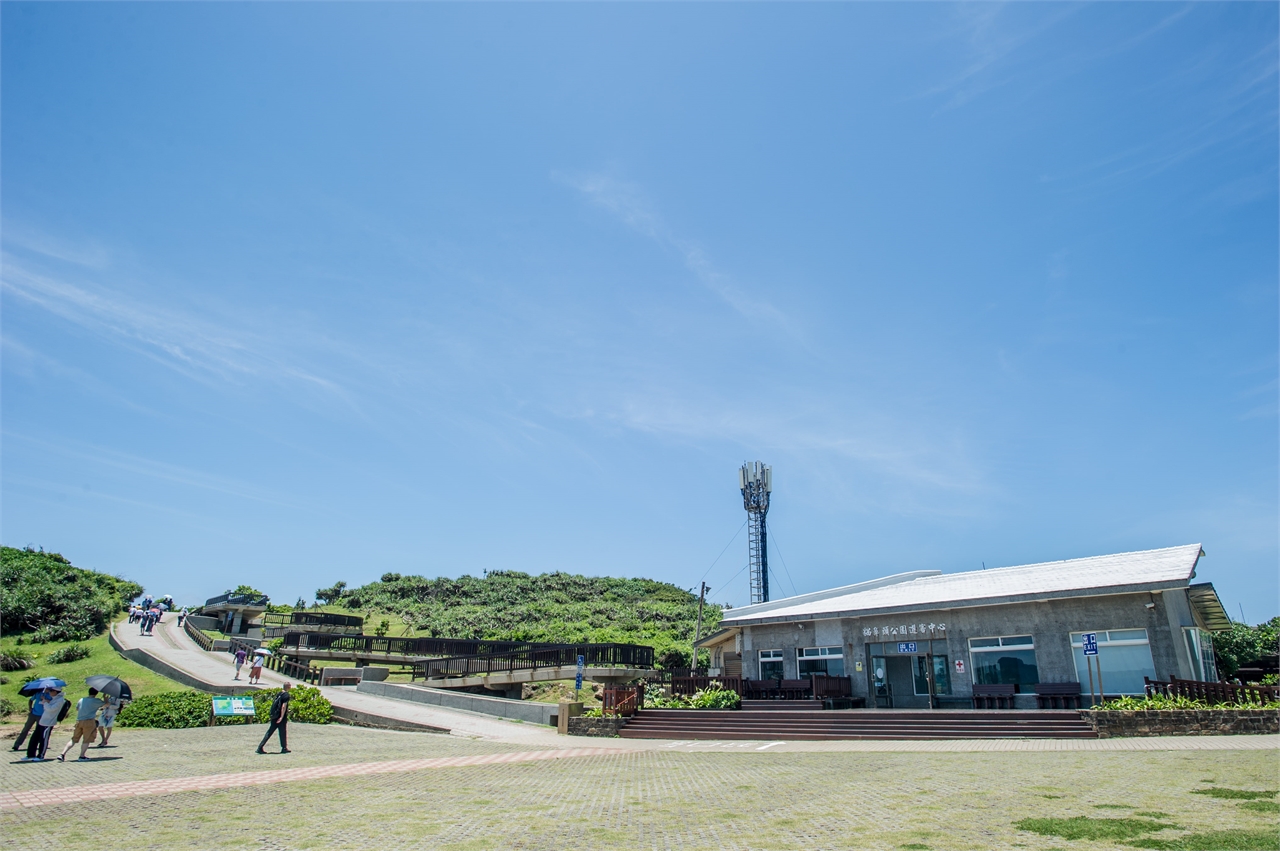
756, 481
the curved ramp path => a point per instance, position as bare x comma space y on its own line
174, 647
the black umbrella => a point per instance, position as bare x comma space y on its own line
109, 685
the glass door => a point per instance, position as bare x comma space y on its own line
880, 683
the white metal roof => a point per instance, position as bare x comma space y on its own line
1100, 574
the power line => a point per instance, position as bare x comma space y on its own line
784, 562
725, 550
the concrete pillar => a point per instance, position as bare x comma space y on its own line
567, 710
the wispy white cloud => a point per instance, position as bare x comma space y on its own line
157, 470
628, 203
196, 347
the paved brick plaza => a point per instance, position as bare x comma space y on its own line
667, 797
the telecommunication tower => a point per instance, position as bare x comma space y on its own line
756, 481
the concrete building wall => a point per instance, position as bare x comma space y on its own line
1050, 622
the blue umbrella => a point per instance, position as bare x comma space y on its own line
40, 685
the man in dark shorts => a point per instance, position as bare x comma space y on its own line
279, 720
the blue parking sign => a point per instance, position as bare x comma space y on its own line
1090, 641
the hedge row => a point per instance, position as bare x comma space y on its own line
181, 709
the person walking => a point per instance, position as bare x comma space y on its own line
110, 710
51, 704
240, 657
86, 729
182, 616
33, 718
255, 669
279, 720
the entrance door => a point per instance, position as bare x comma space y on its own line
880, 689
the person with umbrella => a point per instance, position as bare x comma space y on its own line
255, 669
33, 718
115, 693
51, 706
86, 729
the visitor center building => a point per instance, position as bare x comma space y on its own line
904, 637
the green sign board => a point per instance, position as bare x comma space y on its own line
233, 706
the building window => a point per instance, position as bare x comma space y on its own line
941, 675
1124, 656
1200, 645
1007, 660
770, 664
820, 660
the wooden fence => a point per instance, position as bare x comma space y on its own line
1212, 693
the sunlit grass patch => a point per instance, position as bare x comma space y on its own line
1216, 840
1260, 806
1234, 794
1112, 806
1152, 814
1082, 827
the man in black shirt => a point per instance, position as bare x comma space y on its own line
279, 720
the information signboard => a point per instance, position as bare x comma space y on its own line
906, 647
1090, 641
224, 706
582, 661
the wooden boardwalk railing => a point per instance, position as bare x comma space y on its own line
537, 656
205, 642
1212, 693
281, 665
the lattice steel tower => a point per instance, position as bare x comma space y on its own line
756, 481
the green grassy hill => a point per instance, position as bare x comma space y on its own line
50, 604
46, 595
555, 607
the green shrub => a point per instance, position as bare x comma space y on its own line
306, 705
170, 710
707, 698
15, 662
44, 592
7, 707
70, 653
1159, 702
593, 712
175, 710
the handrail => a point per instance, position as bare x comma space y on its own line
205, 642
543, 656
621, 701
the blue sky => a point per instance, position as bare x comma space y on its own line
299, 293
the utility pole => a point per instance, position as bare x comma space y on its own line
697, 632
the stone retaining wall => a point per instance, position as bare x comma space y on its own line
1183, 722
603, 727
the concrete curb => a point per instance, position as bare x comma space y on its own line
501, 707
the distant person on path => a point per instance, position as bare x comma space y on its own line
182, 616
51, 704
110, 709
33, 718
86, 729
255, 669
240, 657
279, 720
142, 624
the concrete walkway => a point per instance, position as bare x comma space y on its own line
172, 645
169, 786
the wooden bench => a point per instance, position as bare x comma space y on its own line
1058, 696
993, 696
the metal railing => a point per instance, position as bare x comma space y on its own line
1212, 693
371, 644
205, 642
539, 656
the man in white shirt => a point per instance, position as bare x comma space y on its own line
51, 703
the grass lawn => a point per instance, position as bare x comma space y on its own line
103, 659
